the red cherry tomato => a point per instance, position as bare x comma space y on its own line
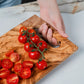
4, 73
28, 47
28, 64
18, 67
14, 57
41, 65
9, 53
42, 45
32, 31
12, 79
25, 73
22, 39
35, 38
34, 54
6, 63
22, 29
0, 63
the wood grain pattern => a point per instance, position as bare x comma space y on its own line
54, 56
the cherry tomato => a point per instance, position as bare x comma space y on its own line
6, 63
42, 45
9, 53
22, 29
41, 65
32, 31
34, 54
4, 73
28, 64
18, 67
22, 39
28, 47
25, 73
35, 38
0, 63
12, 79
14, 57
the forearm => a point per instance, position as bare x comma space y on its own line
49, 11
46, 3
49, 5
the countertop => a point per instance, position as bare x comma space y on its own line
70, 71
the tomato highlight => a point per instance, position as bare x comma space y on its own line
42, 45
25, 73
27, 64
41, 65
12, 79
22, 39
18, 67
14, 57
35, 39
28, 47
22, 29
4, 73
34, 54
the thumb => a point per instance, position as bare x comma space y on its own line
60, 28
62, 33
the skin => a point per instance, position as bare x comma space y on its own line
49, 12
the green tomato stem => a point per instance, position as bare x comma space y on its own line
42, 52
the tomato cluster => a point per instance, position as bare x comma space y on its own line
23, 70
12, 71
33, 45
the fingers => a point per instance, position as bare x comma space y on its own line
61, 32
60, 28
44, 31
47, 34
58, 24
54, 41
51, 40
41, 28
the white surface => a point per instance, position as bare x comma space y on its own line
72, 70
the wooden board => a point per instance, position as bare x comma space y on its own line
54, 56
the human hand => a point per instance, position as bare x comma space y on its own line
49, 12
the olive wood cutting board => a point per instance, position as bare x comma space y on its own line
54, 56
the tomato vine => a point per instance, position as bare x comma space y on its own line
28, 35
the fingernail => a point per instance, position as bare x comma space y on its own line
54, 42
63, 33
50, 30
